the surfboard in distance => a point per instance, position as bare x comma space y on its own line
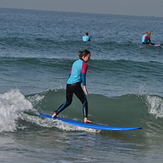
157, 45
90, 125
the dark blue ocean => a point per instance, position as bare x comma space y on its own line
124, 80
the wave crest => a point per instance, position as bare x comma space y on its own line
12, 108
155, 106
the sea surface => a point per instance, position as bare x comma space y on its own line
124, 80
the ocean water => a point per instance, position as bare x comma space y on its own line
124, 81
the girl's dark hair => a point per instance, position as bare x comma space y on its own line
83, 53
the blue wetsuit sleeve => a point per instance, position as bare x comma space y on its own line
83, 79
83, 73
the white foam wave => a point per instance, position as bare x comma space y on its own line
155, 106
13, 105
35, 99
67, 127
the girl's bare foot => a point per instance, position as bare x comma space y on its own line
54, 115
86, 120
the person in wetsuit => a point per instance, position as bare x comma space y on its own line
86, 38
77, 76
146, 38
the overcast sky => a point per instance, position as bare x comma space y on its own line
118, 7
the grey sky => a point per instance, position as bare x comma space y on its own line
120, 7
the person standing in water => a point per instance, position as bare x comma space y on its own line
77, 76
86, 38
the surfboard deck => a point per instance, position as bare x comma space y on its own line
90, 125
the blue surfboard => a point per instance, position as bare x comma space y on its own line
90, 125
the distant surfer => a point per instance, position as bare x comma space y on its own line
77, 76
146, 38
86, 38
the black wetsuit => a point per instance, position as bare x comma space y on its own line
77, 76
76, 89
